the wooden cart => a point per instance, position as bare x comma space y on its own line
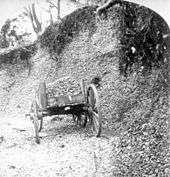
84, 107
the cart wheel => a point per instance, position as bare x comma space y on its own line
94, 113
74, 117
80, 120
34, 111
41, 98
34, 117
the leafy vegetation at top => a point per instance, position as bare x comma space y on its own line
9, 35
57, 36
143, 43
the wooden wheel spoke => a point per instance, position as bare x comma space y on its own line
39, 103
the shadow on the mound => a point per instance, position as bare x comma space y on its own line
62, 127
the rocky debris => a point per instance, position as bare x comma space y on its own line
65, 150
63, 86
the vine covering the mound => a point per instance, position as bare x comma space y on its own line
143, 44
22, 53
57, 36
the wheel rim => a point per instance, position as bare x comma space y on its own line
34, 113
35, 120
96, 125
41, 96
94, 113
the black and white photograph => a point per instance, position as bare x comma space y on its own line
84, 88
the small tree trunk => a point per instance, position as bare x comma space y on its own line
58, 10
36, 24
51, 17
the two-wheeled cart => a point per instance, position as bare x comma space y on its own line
83, 107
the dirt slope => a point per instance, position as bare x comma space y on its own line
65, 149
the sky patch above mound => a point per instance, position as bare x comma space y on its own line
8, 8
